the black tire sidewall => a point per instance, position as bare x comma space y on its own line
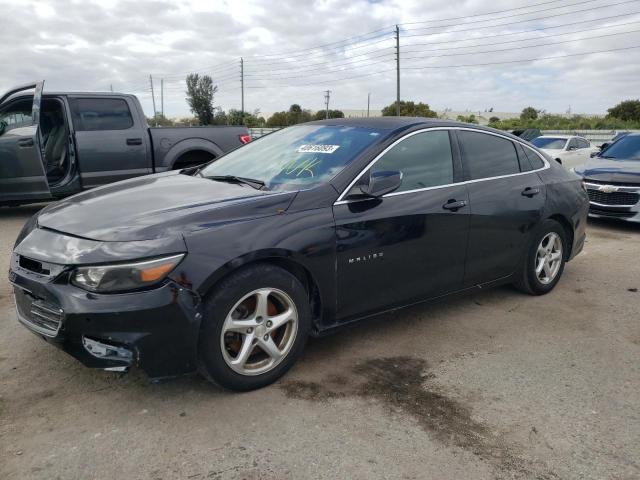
534, 283
221, 301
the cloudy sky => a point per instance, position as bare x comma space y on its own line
463, 54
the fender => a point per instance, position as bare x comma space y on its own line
296, 261
178, 149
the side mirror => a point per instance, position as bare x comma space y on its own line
604, 145
381, 183
571, 149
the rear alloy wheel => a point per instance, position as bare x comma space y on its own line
545, 259
255, 327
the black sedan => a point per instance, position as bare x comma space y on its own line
228, 268
612, 180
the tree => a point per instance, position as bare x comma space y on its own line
626, 110
200, 92
529, 113
467, 119
409, 109
278, 119
322, 114
494, 120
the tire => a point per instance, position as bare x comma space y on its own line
528, 280
241, 323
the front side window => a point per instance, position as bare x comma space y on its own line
302, 156
550, 143
487, 155
91, 114
16, 116
424, 159
573, 144
582, 143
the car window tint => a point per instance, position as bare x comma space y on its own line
424, 159
582, 143
525, 164
573, 143
534, 159
91, 114
487, 155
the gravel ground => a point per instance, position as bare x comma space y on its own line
493, 385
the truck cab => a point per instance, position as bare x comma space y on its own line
58, 144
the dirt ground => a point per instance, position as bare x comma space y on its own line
494, 385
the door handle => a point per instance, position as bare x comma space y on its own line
454, 205
134, 141
530, 191
25, 142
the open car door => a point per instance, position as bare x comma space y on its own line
23, 176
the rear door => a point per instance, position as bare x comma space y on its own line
111, 141
22, 172
506, 200
408, 245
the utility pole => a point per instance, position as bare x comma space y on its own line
153, 100
242, 89
327, 93
368, 102
397, 71
111, 87
162, 97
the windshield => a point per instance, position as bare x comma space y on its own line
627, 148
296, 157
549, 143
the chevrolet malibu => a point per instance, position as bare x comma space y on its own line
227, 269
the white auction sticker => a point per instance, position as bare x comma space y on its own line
317, 148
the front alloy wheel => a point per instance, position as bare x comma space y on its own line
259, 331
255, 326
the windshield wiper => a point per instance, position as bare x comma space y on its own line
606, 156
252, 182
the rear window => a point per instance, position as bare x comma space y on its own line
90, 114
488, 155
549, 142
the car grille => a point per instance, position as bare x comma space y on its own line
38, 315
613, 198
611, 213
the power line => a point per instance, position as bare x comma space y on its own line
520, 61
519, 21
626, 14
522, 46
514, 41
503, 17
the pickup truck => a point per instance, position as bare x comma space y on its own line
57, 144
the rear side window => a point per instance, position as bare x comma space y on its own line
424, 159
582, 143
534, 159
90, 114
487, 155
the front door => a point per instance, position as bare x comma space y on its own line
408, 245
111, 146
22, 174
506, 200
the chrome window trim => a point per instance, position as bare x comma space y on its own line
342, 201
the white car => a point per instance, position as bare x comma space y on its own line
570, 150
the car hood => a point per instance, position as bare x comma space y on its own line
158, 206
608, 170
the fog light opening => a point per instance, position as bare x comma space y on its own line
106, 351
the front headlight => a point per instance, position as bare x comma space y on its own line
124, 276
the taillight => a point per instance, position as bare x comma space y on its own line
244, 139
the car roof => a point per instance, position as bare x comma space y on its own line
397, 123
564, 137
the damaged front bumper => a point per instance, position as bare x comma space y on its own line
156, 329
